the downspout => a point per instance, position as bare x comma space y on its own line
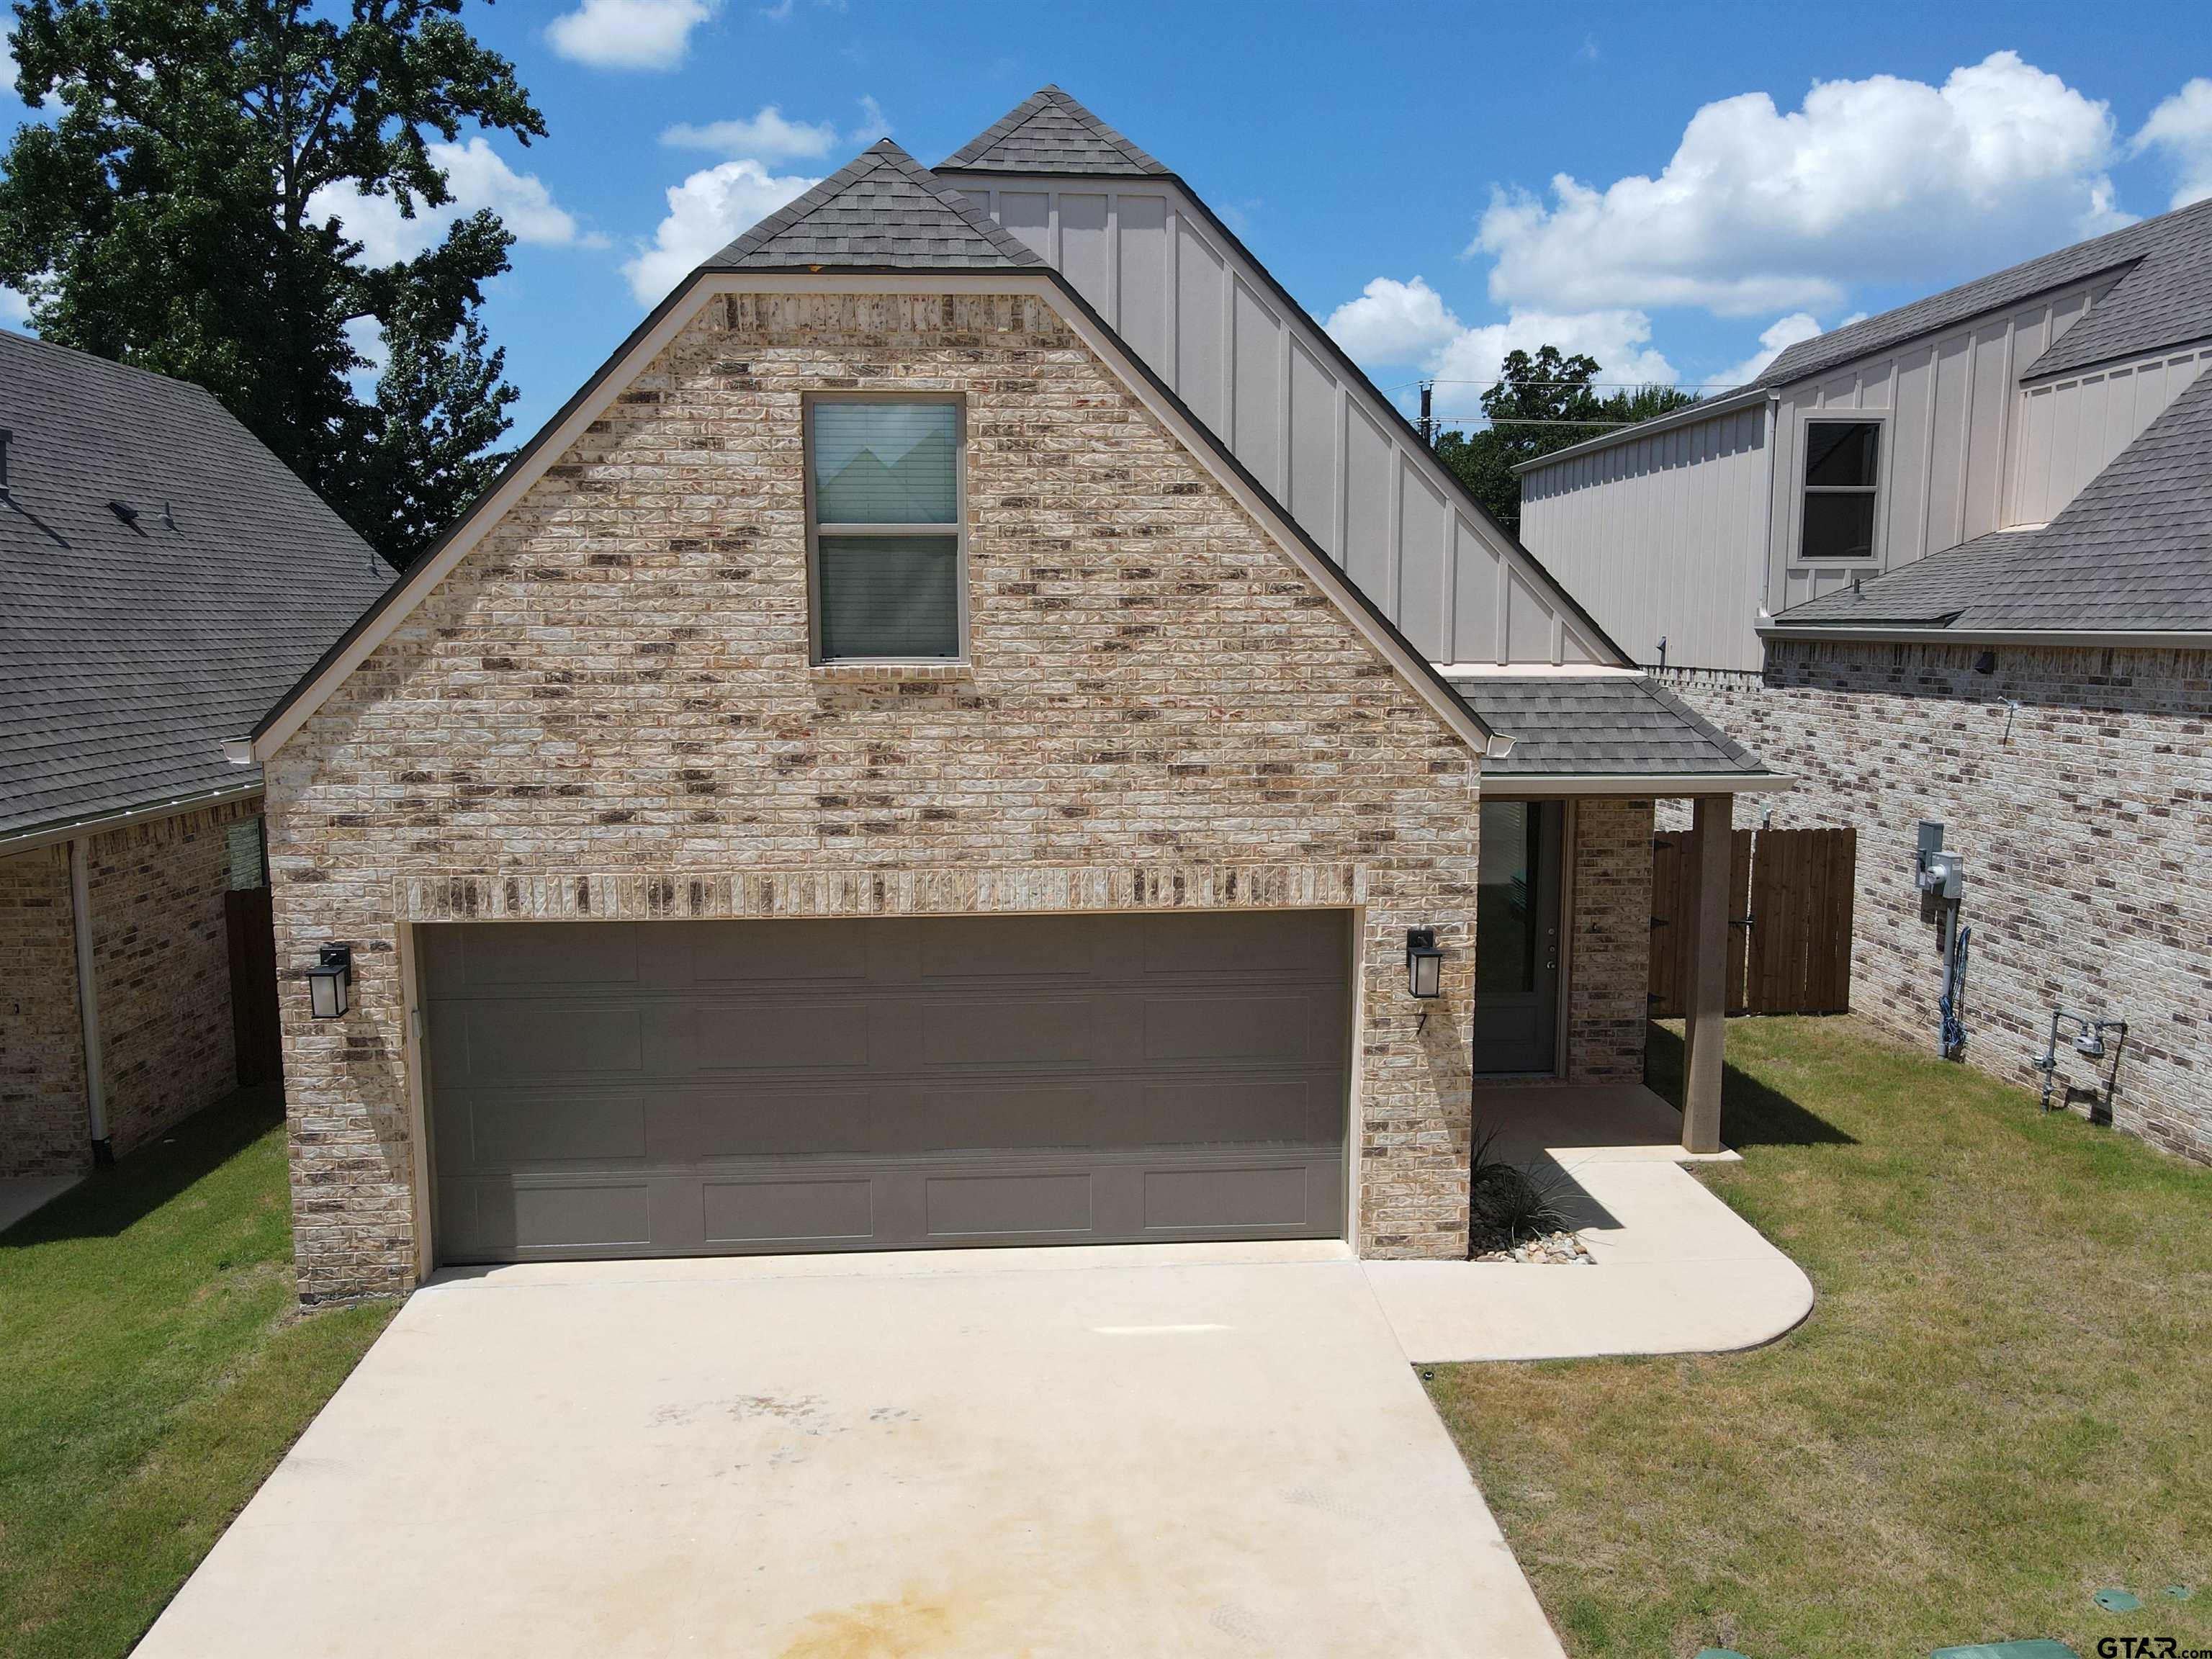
88, 1008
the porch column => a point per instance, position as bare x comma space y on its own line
1707, 1022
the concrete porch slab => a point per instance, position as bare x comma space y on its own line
1675, 1270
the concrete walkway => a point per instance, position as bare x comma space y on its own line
1676, 1270
1151, 1450
20, 1195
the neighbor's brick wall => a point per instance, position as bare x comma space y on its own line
43, 1130
2085, 830
610, 705
1609, 941
161, 966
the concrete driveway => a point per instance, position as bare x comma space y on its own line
1200, 1450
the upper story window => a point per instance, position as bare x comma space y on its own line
1842, 464
886, 529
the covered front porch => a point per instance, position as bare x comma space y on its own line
1564, 916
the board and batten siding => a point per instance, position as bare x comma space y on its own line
1650, 530
1948, 403
1261, 375
2071, 427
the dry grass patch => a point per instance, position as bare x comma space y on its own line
2003, 1401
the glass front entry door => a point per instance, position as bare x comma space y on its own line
1516, 938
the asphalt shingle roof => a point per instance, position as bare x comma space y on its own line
1049, 132
2166, 299
2132, 553
1609, 724
881, 210
128, 652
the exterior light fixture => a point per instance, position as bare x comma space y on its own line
330, 983
1425, 964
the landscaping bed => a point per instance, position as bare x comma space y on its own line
1997, 1408
154, 1369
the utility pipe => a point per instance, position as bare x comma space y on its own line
88, 1006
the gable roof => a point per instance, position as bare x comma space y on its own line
821, 238
1049, 132
2131, 554
129, 651
881, 211
2164, 299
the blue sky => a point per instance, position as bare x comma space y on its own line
1359, 148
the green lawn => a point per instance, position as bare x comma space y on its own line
153, 1369
2002, 1403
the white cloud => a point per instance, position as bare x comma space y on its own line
2181, 127
768, 136
1393, 322
477, 177
1879, 179
1773, 341
628, 33
15, 309
1407, 325
704, 213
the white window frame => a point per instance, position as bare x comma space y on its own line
957, 529
1879, 421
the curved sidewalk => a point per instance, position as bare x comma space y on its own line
1675, 1270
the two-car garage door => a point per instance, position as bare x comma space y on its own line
611, 1089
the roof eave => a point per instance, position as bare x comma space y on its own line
1907, 634
1688, 415
1549, 785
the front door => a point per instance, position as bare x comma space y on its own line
1516, 938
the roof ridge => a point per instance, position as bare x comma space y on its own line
883, 155
977, 151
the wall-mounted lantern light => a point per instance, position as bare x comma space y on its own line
330, 982
1424, 963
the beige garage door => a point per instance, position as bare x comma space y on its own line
611, 1089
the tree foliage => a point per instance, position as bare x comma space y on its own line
1542, 402
168, 217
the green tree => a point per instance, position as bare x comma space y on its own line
1542, 402
168, 217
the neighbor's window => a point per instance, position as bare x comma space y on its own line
884, 528
1841, 465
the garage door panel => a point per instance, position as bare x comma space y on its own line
783, 1035
810, 1212
1004, 1205
793, 951
911, 1082
1265, 1028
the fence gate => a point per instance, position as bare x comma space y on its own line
1789, 915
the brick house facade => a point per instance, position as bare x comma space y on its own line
2078, 783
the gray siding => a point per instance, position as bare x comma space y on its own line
1948, 403
1650, 530
2070, 429
1261, 376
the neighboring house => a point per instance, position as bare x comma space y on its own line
1962, 554
164, 577
900, 761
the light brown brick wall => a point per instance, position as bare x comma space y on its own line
608, 709
1609, 935
2085, 816
43, 1130
161, 964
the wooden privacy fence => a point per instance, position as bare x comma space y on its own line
1789, 916
247, 917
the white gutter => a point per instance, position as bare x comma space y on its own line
1903, 633
1514, 786
60, 829
87, 1005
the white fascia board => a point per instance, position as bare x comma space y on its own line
1537, 670
1539, 786
490, 510
2085, 638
